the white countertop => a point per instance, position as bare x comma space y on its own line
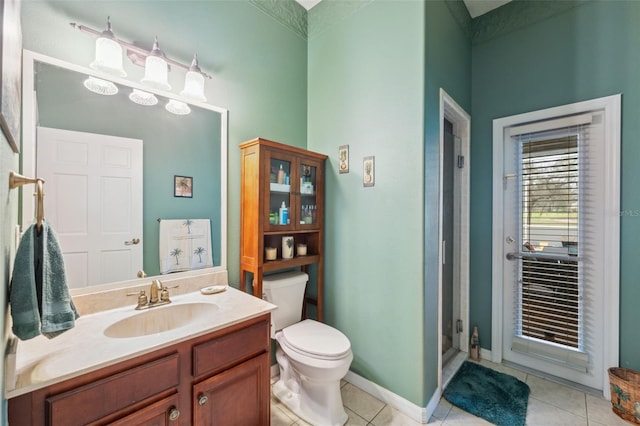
41, 362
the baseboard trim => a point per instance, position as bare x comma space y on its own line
408, 408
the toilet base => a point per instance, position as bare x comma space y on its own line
325, 409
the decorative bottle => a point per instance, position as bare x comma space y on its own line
281, 175
474, 350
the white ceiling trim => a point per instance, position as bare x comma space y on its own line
480, 7
475, 7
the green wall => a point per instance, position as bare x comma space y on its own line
448, 66
259, 66
584, 52
9, 214
366, 79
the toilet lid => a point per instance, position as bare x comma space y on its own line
316, 338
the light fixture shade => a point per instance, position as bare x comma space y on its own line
156, 69
194, 82
177, 107
194, 86
108, 53
100, 86
143, 98
108, 57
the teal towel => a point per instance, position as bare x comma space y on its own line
39, 295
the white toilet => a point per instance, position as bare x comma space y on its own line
313, 357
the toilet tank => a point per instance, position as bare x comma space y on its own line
286, 291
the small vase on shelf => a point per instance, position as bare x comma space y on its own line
287, 247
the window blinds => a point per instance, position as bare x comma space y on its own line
552, 189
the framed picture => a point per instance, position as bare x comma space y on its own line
10, 71
369, 171
343, 159
183, 186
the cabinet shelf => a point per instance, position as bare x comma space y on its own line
262, 163
276, 265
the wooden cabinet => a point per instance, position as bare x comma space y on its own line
274, 175
233, 397
220, 378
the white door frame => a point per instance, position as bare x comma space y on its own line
611, 107
461, 121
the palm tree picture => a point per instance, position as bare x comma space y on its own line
176, 252
199, 252
188, 224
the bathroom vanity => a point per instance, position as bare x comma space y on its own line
209, 370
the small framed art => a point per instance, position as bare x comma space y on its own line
368, 171
183, 186
343, 159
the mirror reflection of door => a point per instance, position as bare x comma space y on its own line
450, 314
93, 188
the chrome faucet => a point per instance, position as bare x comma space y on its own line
158, 296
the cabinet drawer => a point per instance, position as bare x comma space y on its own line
93, 401
230, 349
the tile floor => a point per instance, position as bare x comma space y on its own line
549, 404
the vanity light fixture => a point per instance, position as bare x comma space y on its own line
143, 98
157, 65
156, 69
194, 82
108, 53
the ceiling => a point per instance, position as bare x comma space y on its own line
475, 7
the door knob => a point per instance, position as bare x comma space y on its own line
133, 241
513, 256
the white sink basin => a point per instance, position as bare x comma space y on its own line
161, 319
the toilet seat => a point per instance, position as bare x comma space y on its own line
316, 340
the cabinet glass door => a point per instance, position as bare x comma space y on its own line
308, 205
280, 192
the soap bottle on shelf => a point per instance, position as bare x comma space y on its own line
283, 214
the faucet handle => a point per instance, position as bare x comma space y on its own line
164, 295
142, 298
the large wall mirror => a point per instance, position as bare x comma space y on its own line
160, 167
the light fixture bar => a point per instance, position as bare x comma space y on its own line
134, 51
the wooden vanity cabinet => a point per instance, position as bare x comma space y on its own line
264, 164
220, 378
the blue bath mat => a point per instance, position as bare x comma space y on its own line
496, 397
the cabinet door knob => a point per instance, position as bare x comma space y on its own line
202, 399
174, 414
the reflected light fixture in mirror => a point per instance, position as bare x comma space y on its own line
143, 98
177, 107
100, 86
108, 53
156, 69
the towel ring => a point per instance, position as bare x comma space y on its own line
16, 180
40, 200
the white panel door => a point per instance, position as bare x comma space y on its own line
94, 202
